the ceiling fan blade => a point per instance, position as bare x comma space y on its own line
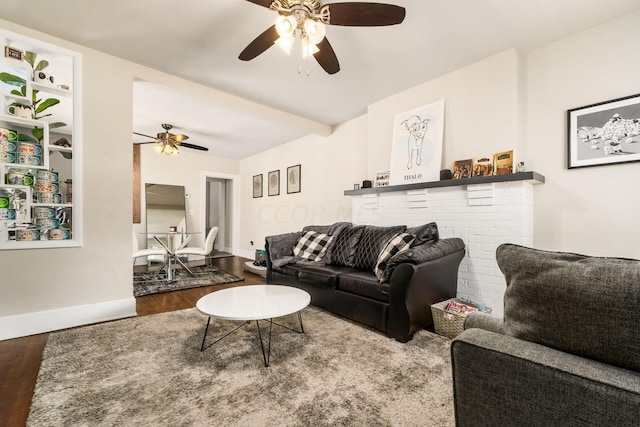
261, 43
179, 138
142, 134
365, 14
148, 142
193, 146
265, 3
326, 57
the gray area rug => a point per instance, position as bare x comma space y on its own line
149, 371
150, 283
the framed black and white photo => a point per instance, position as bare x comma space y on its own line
273, 183
293, 179
604, 133
257, 186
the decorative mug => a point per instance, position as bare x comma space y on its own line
29, 148
29, 159
9, 134
60, 234
7, 214
29, 234
47, 186
4, 202
19, 178
17, 110
49, 197
41, 212
7, 157
47, 223
45, 175
6, 145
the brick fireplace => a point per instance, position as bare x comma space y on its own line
483, 214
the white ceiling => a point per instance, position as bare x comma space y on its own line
200, 41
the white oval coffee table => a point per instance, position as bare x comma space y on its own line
254, 302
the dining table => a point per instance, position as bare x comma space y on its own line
171, 245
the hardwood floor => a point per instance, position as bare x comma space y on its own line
20, 357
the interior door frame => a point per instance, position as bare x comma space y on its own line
235, 204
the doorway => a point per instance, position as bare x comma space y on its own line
218, 213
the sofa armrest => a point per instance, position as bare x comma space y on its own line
505, 381
485, 321
414, 286
280, 246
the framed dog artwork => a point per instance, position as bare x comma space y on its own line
416, 152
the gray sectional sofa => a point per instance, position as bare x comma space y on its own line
344, 282
567, 352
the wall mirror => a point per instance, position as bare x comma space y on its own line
165, 208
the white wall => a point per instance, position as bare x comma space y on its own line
480, 112
94, 282
329, 165
183, 169
589, 210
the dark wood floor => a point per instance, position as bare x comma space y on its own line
20, 357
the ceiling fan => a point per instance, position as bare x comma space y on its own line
169, 143
306, 19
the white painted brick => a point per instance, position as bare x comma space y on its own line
482, 226
480, 194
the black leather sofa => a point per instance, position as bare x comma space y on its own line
344, 282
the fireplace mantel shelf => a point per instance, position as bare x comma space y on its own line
531, 177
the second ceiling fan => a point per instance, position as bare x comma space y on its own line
306, 19
169, 143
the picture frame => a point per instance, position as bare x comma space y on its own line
273, 183
503, 163
482, 166
257, 186
13, 53
294, 173
604, 133
382, 179
416, 148
462, 168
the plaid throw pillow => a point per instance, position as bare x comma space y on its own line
399, 242
312, 245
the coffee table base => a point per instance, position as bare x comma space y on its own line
265, 356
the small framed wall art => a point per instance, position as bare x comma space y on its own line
257, 186
604, 133
273, 183
293, 179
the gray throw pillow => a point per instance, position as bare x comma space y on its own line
587, 306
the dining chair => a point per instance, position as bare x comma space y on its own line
137, 253
205, 251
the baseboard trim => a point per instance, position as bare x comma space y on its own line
23, 325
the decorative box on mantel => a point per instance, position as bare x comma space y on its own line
483, 211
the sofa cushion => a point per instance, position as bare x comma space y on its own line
397, 243
345, 246
322, 276
587, 306
364, 283
371, 244
312, 245
426, 233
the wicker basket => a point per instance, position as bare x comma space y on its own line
448, 324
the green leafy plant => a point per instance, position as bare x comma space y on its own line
38, 105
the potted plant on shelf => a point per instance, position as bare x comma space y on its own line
38, 105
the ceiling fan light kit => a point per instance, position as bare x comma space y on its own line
168, 143
306, 19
